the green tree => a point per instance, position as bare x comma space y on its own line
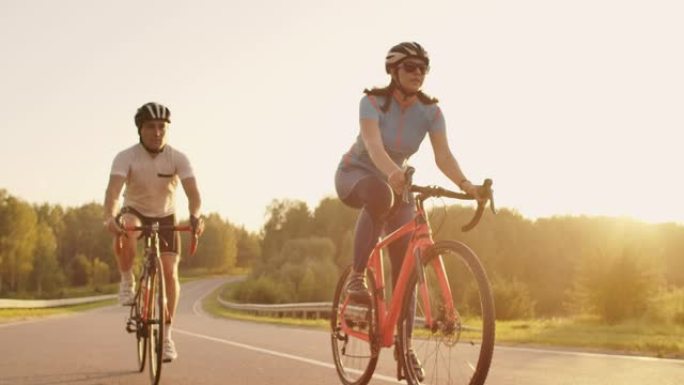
80, 270
335, 220
345, 255
286, 220
671, 244
83, 234
18, 224
513, 299
99, 274
47, 276
218, 248
248, 248
260, 290
304, 270
615, 288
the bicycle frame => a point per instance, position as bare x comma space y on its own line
143, 316
143, 291
151, 258
421, 240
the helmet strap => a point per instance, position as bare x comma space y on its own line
404, 92
151, 151
407, 95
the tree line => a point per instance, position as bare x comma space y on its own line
46, 249
612, 268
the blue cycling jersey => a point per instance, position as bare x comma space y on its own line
402, 132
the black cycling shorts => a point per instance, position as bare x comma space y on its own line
169, 240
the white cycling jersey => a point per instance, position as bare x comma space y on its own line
151, 179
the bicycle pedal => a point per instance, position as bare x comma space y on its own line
400, 373
131, 326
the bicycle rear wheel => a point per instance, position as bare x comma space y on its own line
156, 319
453, 342
354, 339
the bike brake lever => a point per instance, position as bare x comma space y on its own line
487, 187
476, 218
193, 244
490, 194
408, 177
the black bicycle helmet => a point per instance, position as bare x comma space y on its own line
405, 50
152, 111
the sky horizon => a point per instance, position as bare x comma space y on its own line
572, 109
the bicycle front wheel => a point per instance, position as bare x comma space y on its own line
156, 319
354, 338
447, 341
141, 327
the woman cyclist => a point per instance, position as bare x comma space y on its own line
394, 121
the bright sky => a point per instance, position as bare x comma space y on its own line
571, 107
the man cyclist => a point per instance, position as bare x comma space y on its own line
151, 170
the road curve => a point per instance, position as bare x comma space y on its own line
92, 348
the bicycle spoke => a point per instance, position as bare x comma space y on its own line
156, 322
456, 347
352, 330
137, 322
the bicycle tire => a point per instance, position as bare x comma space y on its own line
141, 328
355, 359
467, 333
156, 319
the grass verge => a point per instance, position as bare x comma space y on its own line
585, 334
12, 315
630, 337
212, 306
9, 315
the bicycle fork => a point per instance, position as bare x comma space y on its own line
401, 371
137, 319
409, 319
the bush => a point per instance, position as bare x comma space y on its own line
318, 282
615, 289
303, 271
261, 290
99, 276
80, 270
667, 306
512, 299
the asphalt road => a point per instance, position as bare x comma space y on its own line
93, 348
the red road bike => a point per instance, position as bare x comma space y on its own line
148, 314
441, 308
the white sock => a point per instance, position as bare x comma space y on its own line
167, 332
127, 276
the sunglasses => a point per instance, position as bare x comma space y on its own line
412, 67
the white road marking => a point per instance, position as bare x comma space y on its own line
38, 319
277, 354
197, 309
587, 354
